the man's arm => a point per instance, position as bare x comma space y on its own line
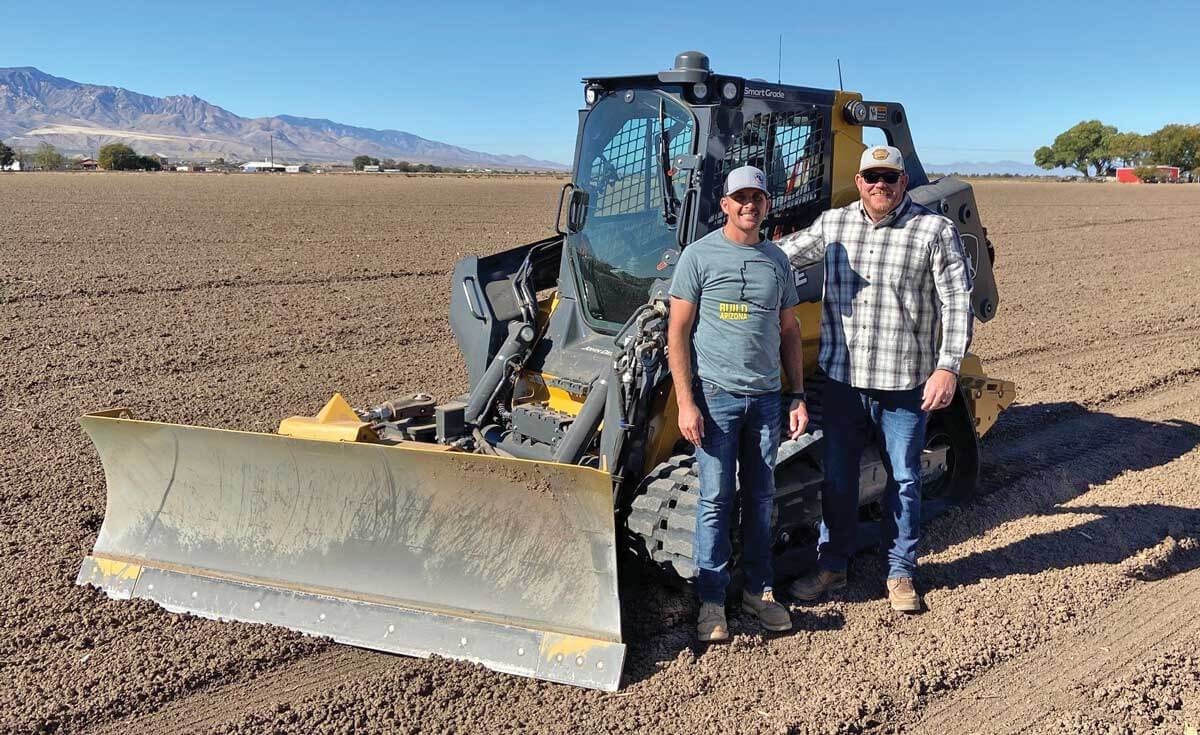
805, 247
952, 279
679, 360
791, 356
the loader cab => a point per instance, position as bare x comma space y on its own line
651, 157
652, 153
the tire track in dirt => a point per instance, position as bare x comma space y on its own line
207, 708
1019, 695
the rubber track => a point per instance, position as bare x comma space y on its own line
662, 518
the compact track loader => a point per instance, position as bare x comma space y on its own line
488, 528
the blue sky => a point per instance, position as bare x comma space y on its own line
981, 81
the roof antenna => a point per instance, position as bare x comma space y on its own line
840, 86
779, 73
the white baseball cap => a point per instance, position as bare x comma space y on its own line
746, 177
881, 156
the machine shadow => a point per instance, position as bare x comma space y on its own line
1041, 455
1110, 535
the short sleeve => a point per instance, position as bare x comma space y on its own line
685, 284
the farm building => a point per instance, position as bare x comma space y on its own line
260, 166
1126, 174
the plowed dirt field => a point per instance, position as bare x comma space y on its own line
1065, 599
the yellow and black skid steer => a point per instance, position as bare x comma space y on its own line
488, 528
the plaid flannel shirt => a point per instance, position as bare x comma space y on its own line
892, 288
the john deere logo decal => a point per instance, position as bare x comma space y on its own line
879, 154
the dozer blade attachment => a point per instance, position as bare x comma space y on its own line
507, 562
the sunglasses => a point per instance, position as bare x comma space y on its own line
874, 177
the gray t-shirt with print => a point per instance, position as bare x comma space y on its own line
739, 291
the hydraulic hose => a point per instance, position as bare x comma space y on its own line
479, 403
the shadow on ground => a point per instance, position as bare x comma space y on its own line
1105, 535
1042, 455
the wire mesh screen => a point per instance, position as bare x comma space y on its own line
625, 178
789, 147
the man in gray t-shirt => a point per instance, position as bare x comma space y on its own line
732, 330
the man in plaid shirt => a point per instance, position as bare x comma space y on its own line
896, 324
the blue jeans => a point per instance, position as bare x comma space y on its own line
741, 438
849, 413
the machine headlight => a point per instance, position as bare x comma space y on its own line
699, 90
592, 93
729, 91
855, 112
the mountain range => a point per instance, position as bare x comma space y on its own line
36, 107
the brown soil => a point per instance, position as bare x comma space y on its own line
1065, 599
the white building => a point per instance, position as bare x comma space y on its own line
14, 166
256, 166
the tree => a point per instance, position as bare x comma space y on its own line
47, 158
1146, 173
361, 162
118, 157
1130, 149
1085, 144
1175, 145
6, 155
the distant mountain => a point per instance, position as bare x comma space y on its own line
36, 107
1012, 168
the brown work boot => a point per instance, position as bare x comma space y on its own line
903, 595
771, 615
812, 586
711, 624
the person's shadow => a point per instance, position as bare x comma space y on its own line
1037, 458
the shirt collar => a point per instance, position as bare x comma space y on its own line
891, 217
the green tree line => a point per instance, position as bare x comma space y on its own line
1093, 145
113, 157
46, 157
120, 157
361, 162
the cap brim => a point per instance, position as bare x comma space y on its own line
743, 188
882, 167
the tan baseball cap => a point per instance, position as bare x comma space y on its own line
881, 156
